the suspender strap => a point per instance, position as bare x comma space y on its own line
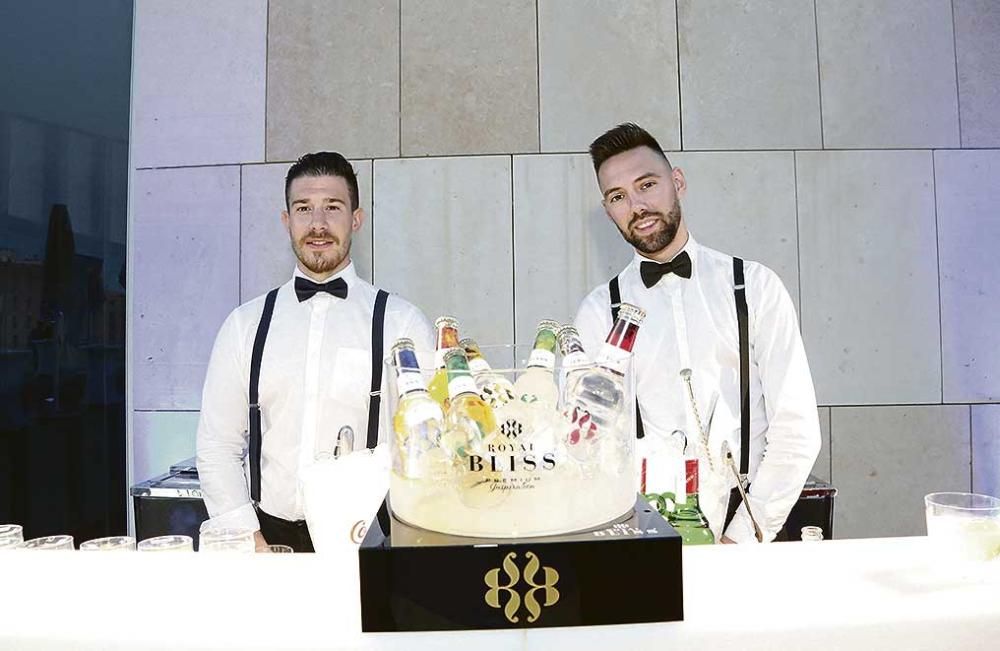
742, 316
616, 303
375, 396
616, 298
258, 354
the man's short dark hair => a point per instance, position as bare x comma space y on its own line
323, 163
620, 139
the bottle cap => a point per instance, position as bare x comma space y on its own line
631, 312
402, 342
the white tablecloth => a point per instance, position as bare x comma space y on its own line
850, 594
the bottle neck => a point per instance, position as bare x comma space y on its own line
477, 363
692, 508
572, 351
408, 378
459, 378
617, 347
543, 355
447, 338
623, 334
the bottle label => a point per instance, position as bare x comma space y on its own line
574, 359
407, 381
691, 475
462, 384
478, 365
614, 358
543, 358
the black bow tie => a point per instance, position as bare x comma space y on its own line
651, 272
306, 289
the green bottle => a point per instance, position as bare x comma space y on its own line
687, 517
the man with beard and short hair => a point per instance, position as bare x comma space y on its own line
314, 367
692, 296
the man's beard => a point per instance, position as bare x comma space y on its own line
658, 239
321, 262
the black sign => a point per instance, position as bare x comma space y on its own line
416, 580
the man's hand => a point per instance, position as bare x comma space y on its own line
726, 540
259, 543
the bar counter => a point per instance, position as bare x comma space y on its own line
889, 593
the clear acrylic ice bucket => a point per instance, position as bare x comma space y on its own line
543, 471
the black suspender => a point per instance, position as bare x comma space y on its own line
616, 302
742, 318
374, 400
375, 395
258, 354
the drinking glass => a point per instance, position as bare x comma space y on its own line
167, 544
109, 544
964, 526
227, 540
50, 543
11, 536
10, 543
280, 549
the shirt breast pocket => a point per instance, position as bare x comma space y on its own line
346, 404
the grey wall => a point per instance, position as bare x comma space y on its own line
854, 146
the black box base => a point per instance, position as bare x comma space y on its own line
416, 580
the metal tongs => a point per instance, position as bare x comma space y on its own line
726, 452
740, 479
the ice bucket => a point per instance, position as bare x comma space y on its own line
542, 470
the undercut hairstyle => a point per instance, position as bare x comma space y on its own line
621, 139
323, 163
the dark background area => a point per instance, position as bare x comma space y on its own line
64, 124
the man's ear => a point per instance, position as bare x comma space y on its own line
285, 220
357, 219
680, 182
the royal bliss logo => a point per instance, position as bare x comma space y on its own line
522, 586
511, 428
511, 457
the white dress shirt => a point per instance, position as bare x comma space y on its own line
691, 323
315, 378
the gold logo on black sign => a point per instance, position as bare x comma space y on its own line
514, 597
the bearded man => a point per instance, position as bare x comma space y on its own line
719, 360
296, 374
